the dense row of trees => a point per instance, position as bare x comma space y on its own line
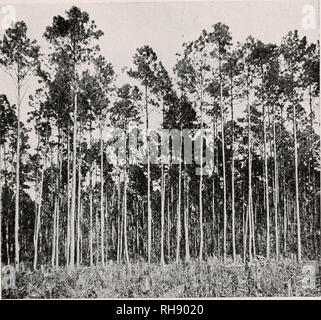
64, 204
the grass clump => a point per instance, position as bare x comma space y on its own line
263, 278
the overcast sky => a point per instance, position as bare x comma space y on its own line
166, 25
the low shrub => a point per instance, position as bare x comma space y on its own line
211, 278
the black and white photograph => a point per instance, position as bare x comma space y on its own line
160, 150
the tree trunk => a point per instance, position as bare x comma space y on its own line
201, 185
17, 209
162, 214
102, 221
297, 208
91, 206
213, 180
1, 186
169, 226
125, 218
58, 208
119, 222
266, 184
276, 188
137, 231
249, 209
186, 222
162, 202
73, 196
106, 227
223, 163
178, 231
68, 200
53, 253
149, 210
285, 222
79, 207
232, 174
37, 224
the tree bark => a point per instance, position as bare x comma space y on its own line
37, 222
223, 162
276, 188
249, 209
102, 220
186, 220
297, 208
178, 230
17, 209
266, 183
232, 174
201, 182
162, 214
79, 206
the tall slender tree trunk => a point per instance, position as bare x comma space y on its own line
7, 244
118, 236
201, 183
186, 219
73, 196
162, 215
253, 230
17, 209
106, 224
53, 253
58, 208
37, 224
266, 183
68, 199
121, 248
3, 181
169, 225
97, 223
119, 221
276, 188
249, 209
223, 162
149, 209
244, 228
79, 206
102, 221
297, 207
285, 222
314, 207
81, 239
91, 254
232, 176
213, 179
178, 231
125, 218
216, 170
314, 193
162, 204
1, 186
137, 231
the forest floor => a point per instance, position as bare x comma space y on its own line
263, 278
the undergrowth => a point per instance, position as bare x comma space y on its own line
207, 279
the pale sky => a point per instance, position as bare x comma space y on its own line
165, 26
